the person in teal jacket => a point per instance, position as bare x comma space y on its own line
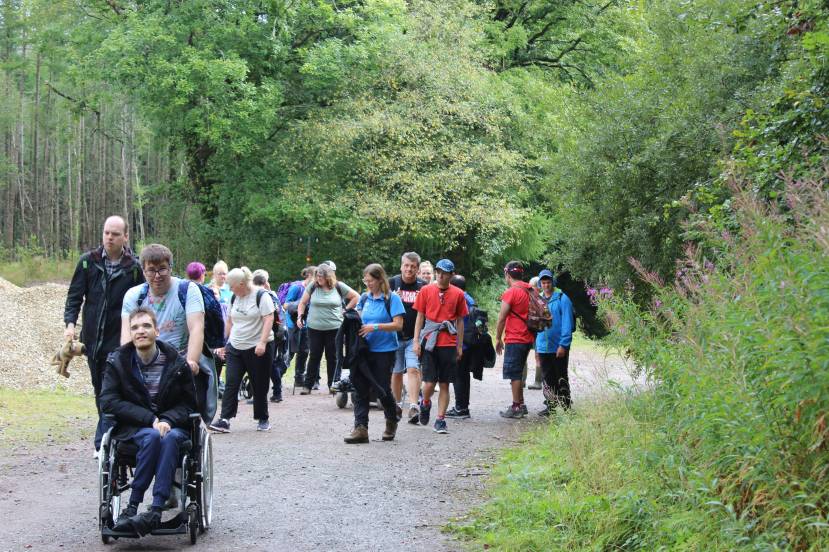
553, 345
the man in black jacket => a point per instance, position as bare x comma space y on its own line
149, 389
99, 283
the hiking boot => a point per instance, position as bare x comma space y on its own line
358, 435
304, 391
414, 415
425, 410
512, 412
123, 524
263, 425
221, 426
276, 398
440, 426
462, 413
391, 430
146, 522
398, 412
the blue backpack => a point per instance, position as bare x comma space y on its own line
214, 322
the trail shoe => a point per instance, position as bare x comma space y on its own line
414, 415
547, 412
221, 426
534, 386
276, 398
440, 426
391, 430
524, 411
398, 412
123, 524
146, 522
263, 425
425, 410
512, 412
358, 435
316, 386
462, 413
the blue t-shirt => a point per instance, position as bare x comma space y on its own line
171, 318
374, 312
294, 294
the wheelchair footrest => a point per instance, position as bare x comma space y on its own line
173, 526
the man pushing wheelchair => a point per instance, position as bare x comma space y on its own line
149, 390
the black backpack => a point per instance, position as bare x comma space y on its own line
476, 327
279, 329
214, 322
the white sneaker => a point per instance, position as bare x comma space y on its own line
96, 454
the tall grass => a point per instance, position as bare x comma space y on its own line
729, 450
31, 265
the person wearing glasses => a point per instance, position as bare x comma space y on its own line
101, 279
180, 326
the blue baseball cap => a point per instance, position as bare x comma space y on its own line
546, 273
445, 265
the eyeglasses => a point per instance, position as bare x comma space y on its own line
152, 273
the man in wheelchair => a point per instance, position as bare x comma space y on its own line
148, 387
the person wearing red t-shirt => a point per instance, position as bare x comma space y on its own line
513, 339
440, 310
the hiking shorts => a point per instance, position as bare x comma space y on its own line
515, 357
439, 365
405, 357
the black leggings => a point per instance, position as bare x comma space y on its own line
555, 376
320, 340
379, 365
259, 370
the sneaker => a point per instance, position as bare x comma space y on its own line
424, 413
414, 415
524, 410
398, 412
222, 426
534, 386
440, 426
512, 412
124, 522
316, 386
276, 399
146, 522
546, 413
462, 413
304, 391
263, 425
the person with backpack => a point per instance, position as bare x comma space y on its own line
472, 361
279, 366
196, 272
553, 345
101, 279
189, 319
438, 338
323, 301
382, 313
297, 337
513, 337
249, 349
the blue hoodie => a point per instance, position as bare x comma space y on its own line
560, 333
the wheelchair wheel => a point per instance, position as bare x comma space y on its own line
245, 388
205, 482
109, 503
193, 522
341, 399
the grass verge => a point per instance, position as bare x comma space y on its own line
44, 417
36, 269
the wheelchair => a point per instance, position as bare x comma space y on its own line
192, 484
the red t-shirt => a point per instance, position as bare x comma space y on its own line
516, 330
452, 307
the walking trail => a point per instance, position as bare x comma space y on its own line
299, 487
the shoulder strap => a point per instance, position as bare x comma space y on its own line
340, 290
259, 296
386, 301
183, 288
145, 289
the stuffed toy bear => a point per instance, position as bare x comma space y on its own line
64, 356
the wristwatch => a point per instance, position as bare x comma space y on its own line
376, 327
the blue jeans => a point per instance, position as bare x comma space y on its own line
157, 458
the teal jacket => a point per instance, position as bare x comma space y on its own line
560, 333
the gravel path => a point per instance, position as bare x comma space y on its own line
298, 487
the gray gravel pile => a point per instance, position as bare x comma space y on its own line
31, 334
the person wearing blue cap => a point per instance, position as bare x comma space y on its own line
440, 310
553, 345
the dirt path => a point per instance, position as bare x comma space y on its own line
298, 487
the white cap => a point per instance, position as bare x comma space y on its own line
331, 264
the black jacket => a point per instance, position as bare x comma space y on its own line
352, 349
102, 298
125, 396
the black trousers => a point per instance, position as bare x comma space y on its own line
278, 368
556, 378
463, 379
97, 365
319, 341
380, 365
258, 369
298, 346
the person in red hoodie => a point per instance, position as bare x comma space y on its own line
513, 339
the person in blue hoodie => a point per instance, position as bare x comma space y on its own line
553, 345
